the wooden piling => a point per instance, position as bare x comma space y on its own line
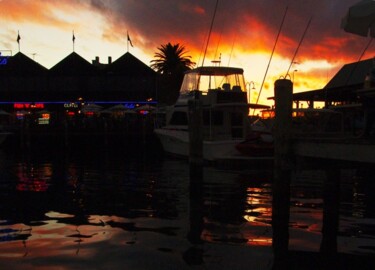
282, 172
331, 209
194, 255
195, 139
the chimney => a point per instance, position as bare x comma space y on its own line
109, 59
96, 60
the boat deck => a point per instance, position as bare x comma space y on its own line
342, 149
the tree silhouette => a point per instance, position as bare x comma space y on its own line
171, 62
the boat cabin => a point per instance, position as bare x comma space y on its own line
223, 94
215, 84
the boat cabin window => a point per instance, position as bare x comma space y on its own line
179, 118
213, 78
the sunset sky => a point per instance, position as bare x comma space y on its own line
244, 34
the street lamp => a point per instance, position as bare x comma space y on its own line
293, 74
248, 90
295, 70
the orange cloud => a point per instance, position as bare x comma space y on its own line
37, 12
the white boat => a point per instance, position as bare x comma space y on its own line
225, 112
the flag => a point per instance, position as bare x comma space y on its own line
129, 40
74, 38
18, 37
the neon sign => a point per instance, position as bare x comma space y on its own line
44, 119
28, 106
70, 105
143, 112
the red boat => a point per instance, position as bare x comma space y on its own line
257, 144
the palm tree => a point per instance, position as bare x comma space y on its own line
171, 63
171, 59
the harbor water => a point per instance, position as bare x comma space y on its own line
131, 207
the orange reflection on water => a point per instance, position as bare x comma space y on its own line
258, 215
57, 238
258, 204
260, 241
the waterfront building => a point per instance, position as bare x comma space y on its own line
22, 80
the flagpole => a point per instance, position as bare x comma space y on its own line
127, 41
18, 41
73, 39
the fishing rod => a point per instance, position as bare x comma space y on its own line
273, 50
299, 45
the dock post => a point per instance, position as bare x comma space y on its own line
194, 255
331, 209
195, 138
282, 172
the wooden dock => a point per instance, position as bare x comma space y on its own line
361, 150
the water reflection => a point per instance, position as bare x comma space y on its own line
78, 210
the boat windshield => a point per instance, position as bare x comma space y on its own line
213, 78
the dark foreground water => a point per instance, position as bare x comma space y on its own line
131, 208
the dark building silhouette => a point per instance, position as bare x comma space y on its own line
129, 77
73, 78
126, 79
343, 85
22, 79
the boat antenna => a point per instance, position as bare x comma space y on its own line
299, 45
273, 50
359, 60
231, 51
209, 33
218, 45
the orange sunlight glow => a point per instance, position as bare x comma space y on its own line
243, 39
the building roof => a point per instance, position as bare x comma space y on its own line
343, 85
351, 74
73, 65
128, 64
21, 65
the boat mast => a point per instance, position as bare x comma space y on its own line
209, 33
273, 50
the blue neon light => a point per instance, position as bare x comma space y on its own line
127, 103
3, 60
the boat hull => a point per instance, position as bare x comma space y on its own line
176, 142
255, 149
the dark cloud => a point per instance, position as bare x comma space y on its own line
253, 23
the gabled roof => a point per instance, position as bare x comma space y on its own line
73, 65
351, 74
20, 64
128, 64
